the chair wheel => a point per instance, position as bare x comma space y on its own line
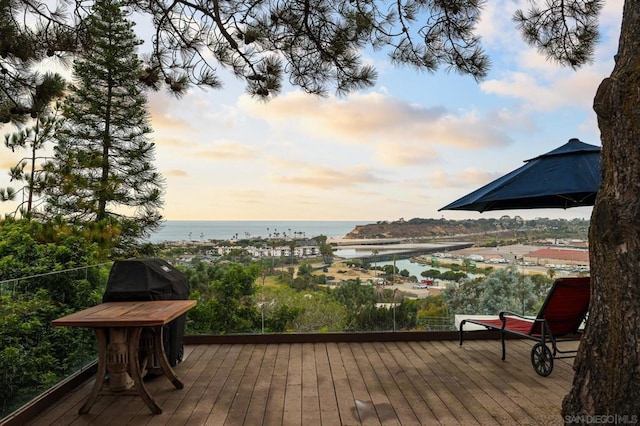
542, 359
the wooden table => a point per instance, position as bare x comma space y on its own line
129, 335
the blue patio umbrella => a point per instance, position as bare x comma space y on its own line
568, 176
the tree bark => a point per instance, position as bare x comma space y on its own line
607, 366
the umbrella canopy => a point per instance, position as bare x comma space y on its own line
568, 176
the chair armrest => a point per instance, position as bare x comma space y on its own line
504, 314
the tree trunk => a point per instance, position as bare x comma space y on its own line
607, 366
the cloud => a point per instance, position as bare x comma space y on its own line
162, 110
496, 26
534, 81
227, 117
499, 32
611, 15
322, 177
174, 142
461, 179
245, 196
538, 83
227, 150
175, 173
375, 117
512, 120
539, 94
399, 153
250, 203
6, 162
188, 115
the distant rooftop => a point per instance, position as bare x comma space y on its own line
561, 254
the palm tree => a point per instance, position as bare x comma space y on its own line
327, 253
375, 252
292, 247
394, 272
551, 273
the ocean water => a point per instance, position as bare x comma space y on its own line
203, 230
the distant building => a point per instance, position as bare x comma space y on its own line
495, 259
548, 256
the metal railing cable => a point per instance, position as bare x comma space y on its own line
79, 268
4, 284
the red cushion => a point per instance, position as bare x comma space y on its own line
513, 324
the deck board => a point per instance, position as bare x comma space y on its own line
273, 414
292, 413
329, 414
342, 388
346, 383
260, 393
193, 395
452, 394
378, 397
484, 399
310, 393
210, 362
391, 375
429, 407
242, 399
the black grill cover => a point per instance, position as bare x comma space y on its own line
145, 279
151, 279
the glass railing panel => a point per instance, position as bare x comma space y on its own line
247, 299
352, 306
313, 296
34, 356
294, 299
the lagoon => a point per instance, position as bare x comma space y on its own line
414, 268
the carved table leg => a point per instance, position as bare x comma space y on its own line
102, 371
118, 359
134, 366
161, 357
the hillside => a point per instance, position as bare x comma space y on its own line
504, 227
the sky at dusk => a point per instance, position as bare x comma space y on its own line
402, 149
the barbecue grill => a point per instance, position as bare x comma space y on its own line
151, 279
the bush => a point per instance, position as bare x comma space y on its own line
34, 355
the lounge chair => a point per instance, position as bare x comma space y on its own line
559, 319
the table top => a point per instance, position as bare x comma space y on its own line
127, 314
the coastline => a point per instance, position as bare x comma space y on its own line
207, 230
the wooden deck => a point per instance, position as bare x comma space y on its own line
379, 383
